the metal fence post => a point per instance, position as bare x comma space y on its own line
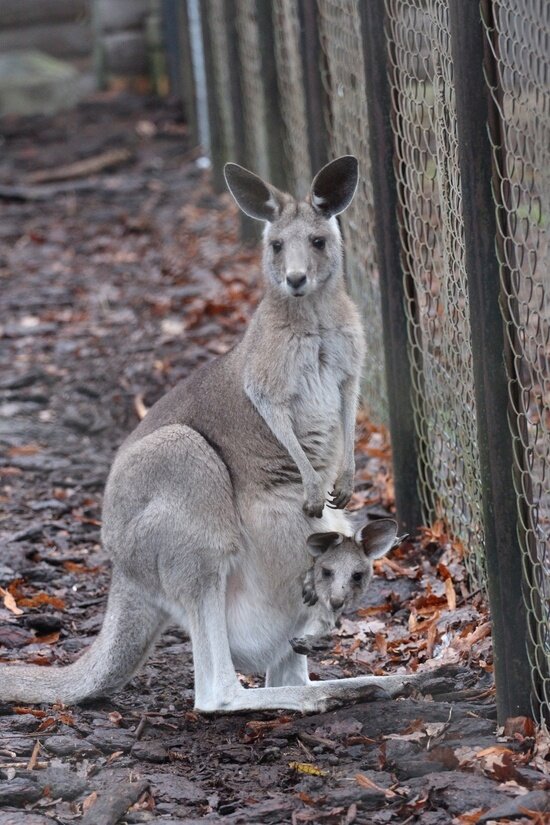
218, 135
275, 129
177, 37
313, 86
392, 284
489, 346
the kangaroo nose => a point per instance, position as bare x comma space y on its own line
336, 603
296, 279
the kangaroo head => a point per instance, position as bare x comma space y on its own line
342, 567
302, 240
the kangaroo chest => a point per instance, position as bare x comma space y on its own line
322, 364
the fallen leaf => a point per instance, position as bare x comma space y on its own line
75, 567
42, 598
39, 714
139, 406
450, 593
308, 768
31, 764
49, 722
48, 639
89, 801
24, 449
519, 725
365, 782
255, 728
9, 602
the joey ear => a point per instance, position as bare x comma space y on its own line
378, 537
319, 543
256, 198
334, 186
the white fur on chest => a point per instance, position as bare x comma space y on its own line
322, 363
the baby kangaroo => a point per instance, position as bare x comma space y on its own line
339, 576
211, 499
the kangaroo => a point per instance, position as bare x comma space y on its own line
339, 576
211, 499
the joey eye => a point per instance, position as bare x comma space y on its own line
319, 243
357, 577
276, 246
327, 574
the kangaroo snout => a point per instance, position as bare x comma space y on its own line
336, 602
296, 282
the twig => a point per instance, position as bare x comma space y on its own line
141, 727
81, 168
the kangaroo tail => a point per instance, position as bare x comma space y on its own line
130, 628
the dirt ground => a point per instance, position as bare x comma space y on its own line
115, 282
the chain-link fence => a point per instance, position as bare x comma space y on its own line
410, 102
518, 37
433, 256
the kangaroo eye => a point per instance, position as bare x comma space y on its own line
319, 243
276, 246
327, 574
357, 577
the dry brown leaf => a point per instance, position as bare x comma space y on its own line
470, 817
89, 801
519, 726
9, 602
365, 782
139, 406
256, 728
450, 593
24, 449
42, 598
47, 639
49, 722
31, 764
114, 756
541, 751
39, 714
75, 567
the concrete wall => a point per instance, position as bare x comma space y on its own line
61, 28
111, 31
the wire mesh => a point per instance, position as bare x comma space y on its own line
518, 36
253, 94
433, 256
340, 31
286, 30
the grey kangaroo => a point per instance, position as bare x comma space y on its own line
211, 499
339, 576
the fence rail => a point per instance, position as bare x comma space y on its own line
447, 106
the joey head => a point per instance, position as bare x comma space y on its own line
340, 574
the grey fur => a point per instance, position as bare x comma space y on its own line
339, 576
211, 499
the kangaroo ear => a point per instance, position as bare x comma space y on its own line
378, 537
256, 198
318, 543
334, 186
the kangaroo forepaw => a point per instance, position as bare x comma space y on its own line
343, 491
309, 644
314, 509
314, 497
